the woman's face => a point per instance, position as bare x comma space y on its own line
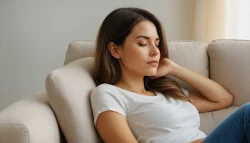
140, 48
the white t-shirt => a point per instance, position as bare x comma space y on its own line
152, 119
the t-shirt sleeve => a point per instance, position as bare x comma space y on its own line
102, 100
185, 92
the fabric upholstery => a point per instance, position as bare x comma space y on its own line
210, 120
191, 55
230, 67
29, 120
79, 49
68, 90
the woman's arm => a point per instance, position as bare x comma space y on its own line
211, 95
198, 141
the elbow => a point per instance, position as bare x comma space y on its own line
227, 101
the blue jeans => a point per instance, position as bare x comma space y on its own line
234, 129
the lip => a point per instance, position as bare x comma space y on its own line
153, 61
153, 64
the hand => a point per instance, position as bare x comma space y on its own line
165, 67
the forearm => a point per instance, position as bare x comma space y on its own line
208, 88
198, 141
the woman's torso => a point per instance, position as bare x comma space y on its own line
159, 119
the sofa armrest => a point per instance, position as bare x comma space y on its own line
30, 120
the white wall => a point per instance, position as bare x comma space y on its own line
34, 35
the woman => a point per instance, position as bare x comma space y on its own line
135, 101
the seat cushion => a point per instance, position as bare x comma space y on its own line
210, 120
68, 89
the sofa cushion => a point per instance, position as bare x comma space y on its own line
210, 120
191, 55
79, 49
229, 66
68, 89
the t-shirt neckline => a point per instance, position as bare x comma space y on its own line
141, 95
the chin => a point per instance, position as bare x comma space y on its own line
151, 74
148, 71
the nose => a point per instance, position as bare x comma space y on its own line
154, 51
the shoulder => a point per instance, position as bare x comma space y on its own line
105, 91
102, 88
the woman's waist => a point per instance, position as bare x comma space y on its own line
180, 135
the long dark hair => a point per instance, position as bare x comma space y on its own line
115, 28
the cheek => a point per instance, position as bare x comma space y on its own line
136, 61
137, 55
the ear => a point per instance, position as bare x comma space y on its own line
114, 50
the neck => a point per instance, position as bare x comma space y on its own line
132, 83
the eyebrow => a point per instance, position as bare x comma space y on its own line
146, 37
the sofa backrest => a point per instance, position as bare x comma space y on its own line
225, 61
188, 53
68, 89
230, 67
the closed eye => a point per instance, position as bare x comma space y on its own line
142, 44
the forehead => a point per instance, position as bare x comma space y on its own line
145, 28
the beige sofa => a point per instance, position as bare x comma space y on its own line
65, 103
